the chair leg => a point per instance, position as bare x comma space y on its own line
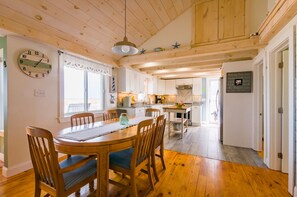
154, 166
134, 192
150, 175
91, 186
162, 155
37, 191
77, 193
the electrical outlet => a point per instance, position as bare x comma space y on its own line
39, 93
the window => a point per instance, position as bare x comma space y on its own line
83, 85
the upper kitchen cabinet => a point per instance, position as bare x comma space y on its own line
152, 84
130, 81
161, 86
170, 87
179, 82
219, 20
197, 86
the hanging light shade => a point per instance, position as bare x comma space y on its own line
125, 47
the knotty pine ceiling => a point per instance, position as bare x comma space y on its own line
91, 27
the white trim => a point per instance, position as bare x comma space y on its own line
8, 172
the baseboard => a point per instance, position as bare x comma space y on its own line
295, 191
11, 171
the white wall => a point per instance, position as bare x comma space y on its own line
237, 110
24, 108
1, 90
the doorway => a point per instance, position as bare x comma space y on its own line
213, 105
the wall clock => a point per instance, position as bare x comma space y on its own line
34, 63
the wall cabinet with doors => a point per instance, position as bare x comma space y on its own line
161, 86
130, 81
197, 86
183, 82
217, 20
170, 87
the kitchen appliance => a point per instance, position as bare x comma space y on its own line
219, 104
127, 101
179, 115
158, 99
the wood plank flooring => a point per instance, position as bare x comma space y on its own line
204, 141
185, 176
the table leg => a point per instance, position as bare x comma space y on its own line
182, 125
102, 174
168, 124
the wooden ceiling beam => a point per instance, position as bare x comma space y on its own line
191, 75
186, 53
200, 60
197, 70
281, 14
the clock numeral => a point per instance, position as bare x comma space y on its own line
48, 72
29, 52
36, 53
47, 60
36, 75
21, 61
24, 56
29, 72
24, 68
42, 55
43, 75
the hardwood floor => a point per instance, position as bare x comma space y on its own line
204, 141
185, 175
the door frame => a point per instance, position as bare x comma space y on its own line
272, 145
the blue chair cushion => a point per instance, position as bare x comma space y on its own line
79, 174
121, 158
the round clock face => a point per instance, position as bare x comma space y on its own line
34, 64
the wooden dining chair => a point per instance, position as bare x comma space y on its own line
159, 143
152, 112
82, 118
132, 160
58, 179
110, 115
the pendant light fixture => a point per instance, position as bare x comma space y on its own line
125, 47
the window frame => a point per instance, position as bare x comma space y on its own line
64, 117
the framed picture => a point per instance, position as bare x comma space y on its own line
239, 82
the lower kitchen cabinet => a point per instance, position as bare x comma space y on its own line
196, 115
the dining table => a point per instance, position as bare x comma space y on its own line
99, 138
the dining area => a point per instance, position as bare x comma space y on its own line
120, 144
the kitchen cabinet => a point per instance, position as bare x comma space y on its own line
130, 81
196, 115
216, 20
197, 86
170, 87
183, 82
161, 86
152, 85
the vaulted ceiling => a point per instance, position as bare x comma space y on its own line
91, 27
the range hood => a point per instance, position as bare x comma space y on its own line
184, 87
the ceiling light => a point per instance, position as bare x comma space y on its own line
125, 47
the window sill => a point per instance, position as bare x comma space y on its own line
66, 119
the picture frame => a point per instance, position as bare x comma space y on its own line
239, 82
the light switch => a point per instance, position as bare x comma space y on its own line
39, 93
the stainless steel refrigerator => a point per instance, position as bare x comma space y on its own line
221, 107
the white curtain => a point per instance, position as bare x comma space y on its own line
87, 65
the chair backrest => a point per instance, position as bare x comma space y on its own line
143, 143
82, 118
160, 129
110, 114
44, 157
152, 112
